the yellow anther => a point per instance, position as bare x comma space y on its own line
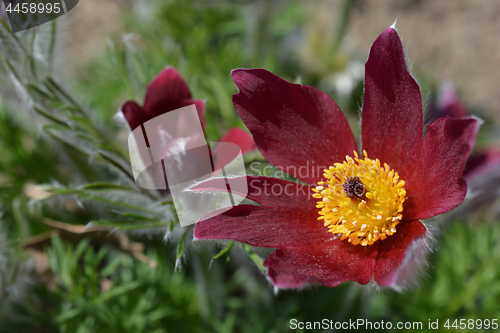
360, 190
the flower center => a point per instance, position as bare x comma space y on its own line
361, 200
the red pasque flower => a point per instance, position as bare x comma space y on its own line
447, 103
167, 92
363, 221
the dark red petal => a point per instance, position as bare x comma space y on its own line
299, 129
165, 93
437, 186
392, 125
287, 217
449, 104
200, 108
482, 174
478, 164
328, 263
454, 110
393, 250
134, 114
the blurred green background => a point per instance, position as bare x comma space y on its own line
64, 164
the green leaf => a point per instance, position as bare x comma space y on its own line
111, 267
52, 44
68, 314
181, 246
112, 202
255, 257
57, 90
128, 224
32, 88
104, 186
22, 223
117, 164
224, 250
117, 291
139, 217
50, 117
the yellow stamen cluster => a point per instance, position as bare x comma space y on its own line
361, 200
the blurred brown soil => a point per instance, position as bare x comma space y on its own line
87, 27
457, 40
